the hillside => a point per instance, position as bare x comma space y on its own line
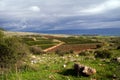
52, 57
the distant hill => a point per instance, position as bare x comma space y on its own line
106, 31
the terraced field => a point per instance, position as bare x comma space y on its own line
39, 41
75, 44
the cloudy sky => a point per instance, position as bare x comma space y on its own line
25, 15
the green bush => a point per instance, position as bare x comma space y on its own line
12, 50
71, 51
1, 34
118, 47
98, 46
36, 50
85, 53
62, 53
103, 54
59, 52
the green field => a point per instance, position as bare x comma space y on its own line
78, 40
39, 41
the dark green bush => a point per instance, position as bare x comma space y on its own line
1, 34
36, 50
71, 51
103, 54
62, 53
98, 46
59, 52
118, 47
84, 53
12, 50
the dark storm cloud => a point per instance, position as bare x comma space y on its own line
19, 15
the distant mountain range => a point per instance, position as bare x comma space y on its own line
106, 31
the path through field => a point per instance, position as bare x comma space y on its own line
48, 49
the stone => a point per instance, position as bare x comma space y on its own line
83, 70
88, 71
64, 65
118, 59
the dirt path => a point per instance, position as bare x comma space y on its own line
46, 50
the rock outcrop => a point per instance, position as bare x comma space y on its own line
83, 70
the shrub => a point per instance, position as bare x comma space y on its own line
12, 50
84, 53
71, 51
28, 67
59, 52
118, 47
62, 53
1, 34
36, 50
98, 46
103, 54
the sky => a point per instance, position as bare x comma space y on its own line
26, 15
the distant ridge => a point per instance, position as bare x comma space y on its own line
104, 32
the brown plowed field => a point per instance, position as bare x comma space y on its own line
74, 47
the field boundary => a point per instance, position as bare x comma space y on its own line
48, 49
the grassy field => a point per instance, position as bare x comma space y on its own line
50, 67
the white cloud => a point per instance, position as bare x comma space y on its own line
104, 7
34, 8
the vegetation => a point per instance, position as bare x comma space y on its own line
118, 47
36, 50
38, 41
77, 40
96, 52
11, 51
1, 34
85, 53
103, 54
2, 29
50, 66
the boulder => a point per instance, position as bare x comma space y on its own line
88, 71
83, 70
118, 59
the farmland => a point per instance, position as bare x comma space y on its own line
76, 44
38, 41
74, 47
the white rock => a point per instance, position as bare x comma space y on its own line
64, 65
